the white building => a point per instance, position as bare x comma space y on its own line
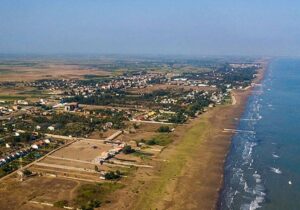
51, 128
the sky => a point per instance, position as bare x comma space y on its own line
180, 27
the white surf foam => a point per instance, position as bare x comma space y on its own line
247, 152
275, 156
257, 177
276, 170
256, 203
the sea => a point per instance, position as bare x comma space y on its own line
262, 169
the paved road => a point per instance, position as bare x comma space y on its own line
72, 138
110, 138
153, 122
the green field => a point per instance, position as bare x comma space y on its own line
174, 166
90, 196
11, 98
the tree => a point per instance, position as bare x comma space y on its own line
151, 142
27, 172
179, 118
60, 204
128, 150
164, 129
112, 175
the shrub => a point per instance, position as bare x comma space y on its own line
128, 150
27, 172
136, 126
151, 142
88, 196
113, 175
91, 205
60, 204
161, 140
164, 129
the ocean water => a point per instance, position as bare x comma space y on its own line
262, 170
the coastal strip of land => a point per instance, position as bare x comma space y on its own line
142, 139
191, 175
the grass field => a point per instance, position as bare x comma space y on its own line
174, 166
162, 139
93, 195
11, 98
20, 97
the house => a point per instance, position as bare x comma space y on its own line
151, 114
21, 102
109, 124
34, 146
16, 107
51, 128
69, 107
47, 141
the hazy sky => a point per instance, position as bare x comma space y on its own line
190, 27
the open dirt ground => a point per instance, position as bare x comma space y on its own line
83, 150
46, 71
17, 195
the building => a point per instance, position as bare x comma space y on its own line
69, 107
51, 128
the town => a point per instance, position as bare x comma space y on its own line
102, 129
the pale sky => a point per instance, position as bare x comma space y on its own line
185, 27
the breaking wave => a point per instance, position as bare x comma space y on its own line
276, 170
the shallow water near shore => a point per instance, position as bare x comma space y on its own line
262, 170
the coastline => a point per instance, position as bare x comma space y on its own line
191, 177
248, 91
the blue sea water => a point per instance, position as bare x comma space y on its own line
262, 170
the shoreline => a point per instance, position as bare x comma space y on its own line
238, 106
249, 90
